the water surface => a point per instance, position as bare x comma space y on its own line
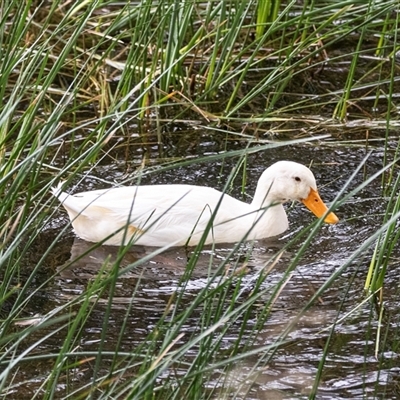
288, 371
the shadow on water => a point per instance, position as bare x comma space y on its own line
351, 369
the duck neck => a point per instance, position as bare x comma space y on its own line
270, 214
263, 196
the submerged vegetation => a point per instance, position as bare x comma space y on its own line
99, 93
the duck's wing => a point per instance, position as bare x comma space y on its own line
161, 206
171, 211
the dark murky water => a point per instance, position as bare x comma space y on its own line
351, 369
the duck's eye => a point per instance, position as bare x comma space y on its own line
296, 178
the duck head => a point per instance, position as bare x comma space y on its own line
287, 181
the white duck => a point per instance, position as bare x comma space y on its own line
176, 215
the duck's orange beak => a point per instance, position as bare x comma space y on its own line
315, 204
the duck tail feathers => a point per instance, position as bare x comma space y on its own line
57, 192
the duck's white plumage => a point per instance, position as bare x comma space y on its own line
162, 215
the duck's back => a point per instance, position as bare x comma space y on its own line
156, 215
